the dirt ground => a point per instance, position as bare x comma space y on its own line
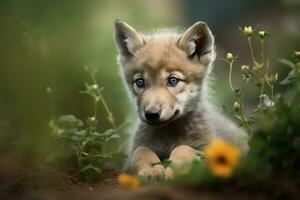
19, 181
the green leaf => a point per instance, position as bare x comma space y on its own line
287, 63
89, 139
226, 109
104, 156
289, 79
238, 117
69, 120
108, 132
76, 138
114, 136
96, 134
91, 167
87, 86
166, 163
85, 153
81, 133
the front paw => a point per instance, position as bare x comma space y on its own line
169, 175
156, 172
172, 173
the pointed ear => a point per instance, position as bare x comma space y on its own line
128, 40
198, 41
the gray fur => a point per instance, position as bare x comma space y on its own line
196, 127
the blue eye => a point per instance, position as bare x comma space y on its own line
140, 82
173, 81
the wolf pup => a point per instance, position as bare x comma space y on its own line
168, 73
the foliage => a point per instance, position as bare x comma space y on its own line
81, 142
276, 142
273, 124
256, 73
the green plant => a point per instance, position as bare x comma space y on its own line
274, 148
256, 73
273, 125
276, 142
80, 143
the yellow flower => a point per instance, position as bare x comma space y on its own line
245, 69
222, 158
297, 53
128, 182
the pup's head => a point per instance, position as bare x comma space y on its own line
165, 71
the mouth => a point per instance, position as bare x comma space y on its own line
164, 122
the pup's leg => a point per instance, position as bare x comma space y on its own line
143, 159
180, 155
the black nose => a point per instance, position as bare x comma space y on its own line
152, 116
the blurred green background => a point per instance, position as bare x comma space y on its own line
47, 43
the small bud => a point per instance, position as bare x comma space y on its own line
97, 99
248, 31
92, 119
257, 67
245, 69
276, 77
247, 78
273, 78
49, 89
262, 35
95, 86
229, 57
236, 106
297, 54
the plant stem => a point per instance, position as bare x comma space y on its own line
262, 46
106, 108
272, 95
230, 76
242, 111
245, 122
108, 112
79, 157
95, 108
261, 95
262, 87
251, 50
